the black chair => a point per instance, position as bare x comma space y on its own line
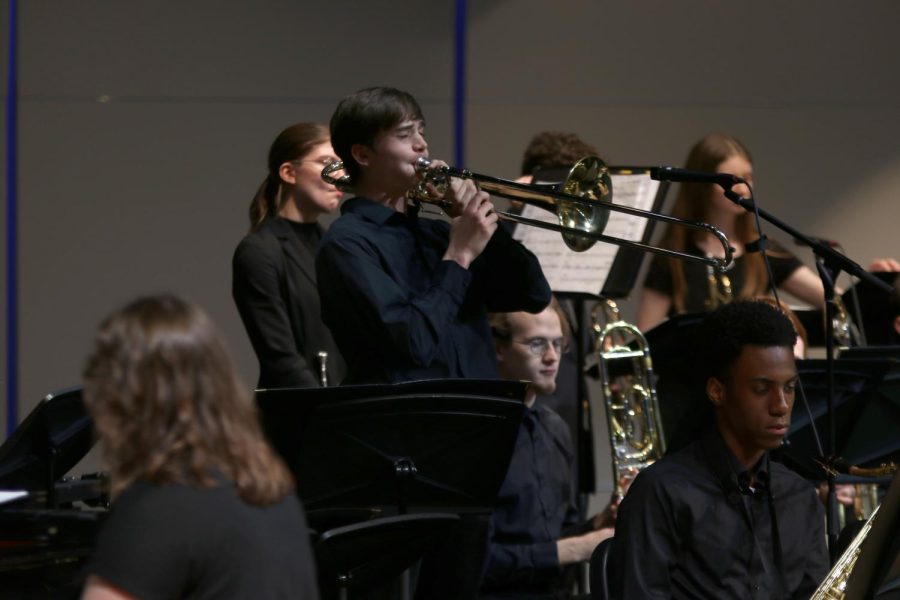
363, 557
599, 570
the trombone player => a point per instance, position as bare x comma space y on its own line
407, 297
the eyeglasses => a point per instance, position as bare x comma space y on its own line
539, 346
323, 162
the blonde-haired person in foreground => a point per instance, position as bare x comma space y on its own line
201, 505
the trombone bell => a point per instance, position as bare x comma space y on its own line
588, 179
581, 202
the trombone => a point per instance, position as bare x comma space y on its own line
581, 203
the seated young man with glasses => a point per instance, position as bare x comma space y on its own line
534, 527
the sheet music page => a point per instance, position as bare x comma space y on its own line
586, 272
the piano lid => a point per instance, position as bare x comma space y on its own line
48, 443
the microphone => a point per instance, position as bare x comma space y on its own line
674, 174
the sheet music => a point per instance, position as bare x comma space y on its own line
586, 272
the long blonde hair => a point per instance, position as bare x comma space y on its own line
169, 407
691, 203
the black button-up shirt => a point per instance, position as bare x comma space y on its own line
398, 312
535, 508
693, 526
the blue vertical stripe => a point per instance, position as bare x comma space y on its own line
459, 86
12, 330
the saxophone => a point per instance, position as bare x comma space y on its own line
835, 583
632, 412
845, 331
720, 291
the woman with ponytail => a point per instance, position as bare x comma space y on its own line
273, 269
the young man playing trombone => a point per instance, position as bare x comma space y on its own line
407, 297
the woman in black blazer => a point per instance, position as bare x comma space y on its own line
273, 269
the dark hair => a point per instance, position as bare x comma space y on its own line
554, 149
691, 204
361, 116
293, 143
726, 330
169, 408
790, 314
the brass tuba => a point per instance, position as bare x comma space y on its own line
632, 412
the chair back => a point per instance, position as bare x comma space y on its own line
599, 573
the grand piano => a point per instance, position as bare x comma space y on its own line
48, 521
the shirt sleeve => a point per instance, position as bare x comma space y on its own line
783, 262
511, 276
260, 301
513, 565
139, 551
572, 524
646, 542
359, 295
659, 275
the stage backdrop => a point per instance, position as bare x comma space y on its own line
144, 125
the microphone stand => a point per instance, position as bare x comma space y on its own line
829, 263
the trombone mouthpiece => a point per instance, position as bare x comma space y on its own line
343, 182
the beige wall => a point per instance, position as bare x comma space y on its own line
144, 125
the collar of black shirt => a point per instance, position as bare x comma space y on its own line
729, 470
369, 210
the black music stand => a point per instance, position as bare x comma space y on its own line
439, 445
54, 436
867, 414
683, 406
876, 308
427, 446
876, 573
871, 309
